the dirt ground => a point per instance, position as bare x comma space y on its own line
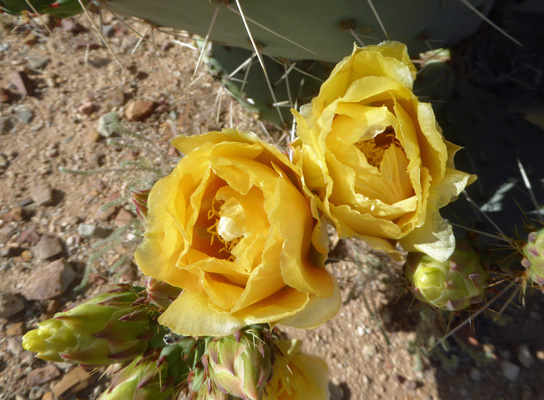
56, 87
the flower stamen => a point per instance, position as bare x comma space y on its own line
374, 148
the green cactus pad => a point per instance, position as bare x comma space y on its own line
310, 29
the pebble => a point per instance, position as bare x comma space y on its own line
14, 214
89, 230
42, 195
5, 95
93, 136
28, 236
24, 114
14, 345
6, 125
138, 110
104, 122
27, 255
524, 356
20, 80
86, 108
475, 374
116, 98
335, 392
42, 375
73, 382
49, 282
105, 215
10, 304
48, 396
48, 246
540, 355
37, 62
15, 329
510, 370
369, 350
122, 218
3, 161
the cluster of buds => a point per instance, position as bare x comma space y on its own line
533, 260
109, 328
241, 364
451, 285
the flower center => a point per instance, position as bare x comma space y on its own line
374, 148
222, 230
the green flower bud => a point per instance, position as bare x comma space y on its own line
533, 260
160, 293
452, 285
107, 329
241, 364
140, 202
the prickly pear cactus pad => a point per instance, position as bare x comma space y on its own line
309, 29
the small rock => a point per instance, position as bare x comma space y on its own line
93, 136
48, 246
28, 236
335, 392
10, 304
14, 345
14, 214
104, 124
3, 161
15, 329
108, 30
42, 375
48, 282
105, 215
24, 114
69, 25
524, 356
86, 108
7, 231
5, 95
88, 230
48, 396
475, 374
6, 125
510, 370
138, 110
123, 217
37, 62
30, 39
20, 80
95, 160
540, 355
116, 98
42, 195
73, 382
369, 350
27, 255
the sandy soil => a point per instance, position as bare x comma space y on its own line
378, 345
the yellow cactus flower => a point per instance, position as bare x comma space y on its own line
232, 226
374, 157
297, 375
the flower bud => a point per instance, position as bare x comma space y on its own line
107, 329
160, 293
533, 260
241, 364
139, 199
451, 285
